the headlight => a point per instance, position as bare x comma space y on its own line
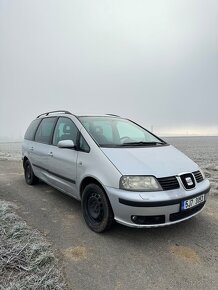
139, 183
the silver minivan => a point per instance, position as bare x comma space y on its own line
119, 170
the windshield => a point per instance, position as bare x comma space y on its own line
118, 132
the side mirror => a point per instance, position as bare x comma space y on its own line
66, 144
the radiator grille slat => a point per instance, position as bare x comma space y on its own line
198, 176
168, 183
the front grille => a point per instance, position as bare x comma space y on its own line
168, 183
183, 214
198, 176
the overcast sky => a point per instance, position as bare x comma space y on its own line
153, 61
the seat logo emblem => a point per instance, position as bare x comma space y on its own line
189, 181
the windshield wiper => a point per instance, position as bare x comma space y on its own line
142, 143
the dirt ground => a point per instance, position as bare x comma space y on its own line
176, 257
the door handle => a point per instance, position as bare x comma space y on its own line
50, 154
31, 149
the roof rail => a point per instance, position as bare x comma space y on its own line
113, 115
58, 111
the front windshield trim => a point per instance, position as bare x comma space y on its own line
162, 142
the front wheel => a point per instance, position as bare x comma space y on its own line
30, 177
96, 208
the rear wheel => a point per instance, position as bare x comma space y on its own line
30, 177
96, 207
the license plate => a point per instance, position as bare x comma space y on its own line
189, 203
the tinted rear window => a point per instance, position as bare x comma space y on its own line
30, 132
45, 130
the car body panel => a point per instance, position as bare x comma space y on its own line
96, 164
62, 166
38, 156
159, 161
123, 213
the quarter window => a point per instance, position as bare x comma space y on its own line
45, 130
83, 145
30, 132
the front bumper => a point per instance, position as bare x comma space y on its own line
161, 208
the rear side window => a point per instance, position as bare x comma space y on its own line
45, 130
30, 132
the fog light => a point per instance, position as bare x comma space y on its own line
148, 220
134, 218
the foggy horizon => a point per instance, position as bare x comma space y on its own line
154, 62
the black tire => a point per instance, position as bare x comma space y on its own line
96, 208
30, 177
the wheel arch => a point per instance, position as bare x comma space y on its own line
24, 160
88, 180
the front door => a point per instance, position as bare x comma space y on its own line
63, 161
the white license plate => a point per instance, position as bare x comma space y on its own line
189, 203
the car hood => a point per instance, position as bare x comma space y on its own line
159, 161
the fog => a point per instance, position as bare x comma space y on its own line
152, 61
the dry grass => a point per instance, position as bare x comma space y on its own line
26, 259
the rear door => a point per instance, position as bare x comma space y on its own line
29, 143
63, 161
41, 147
